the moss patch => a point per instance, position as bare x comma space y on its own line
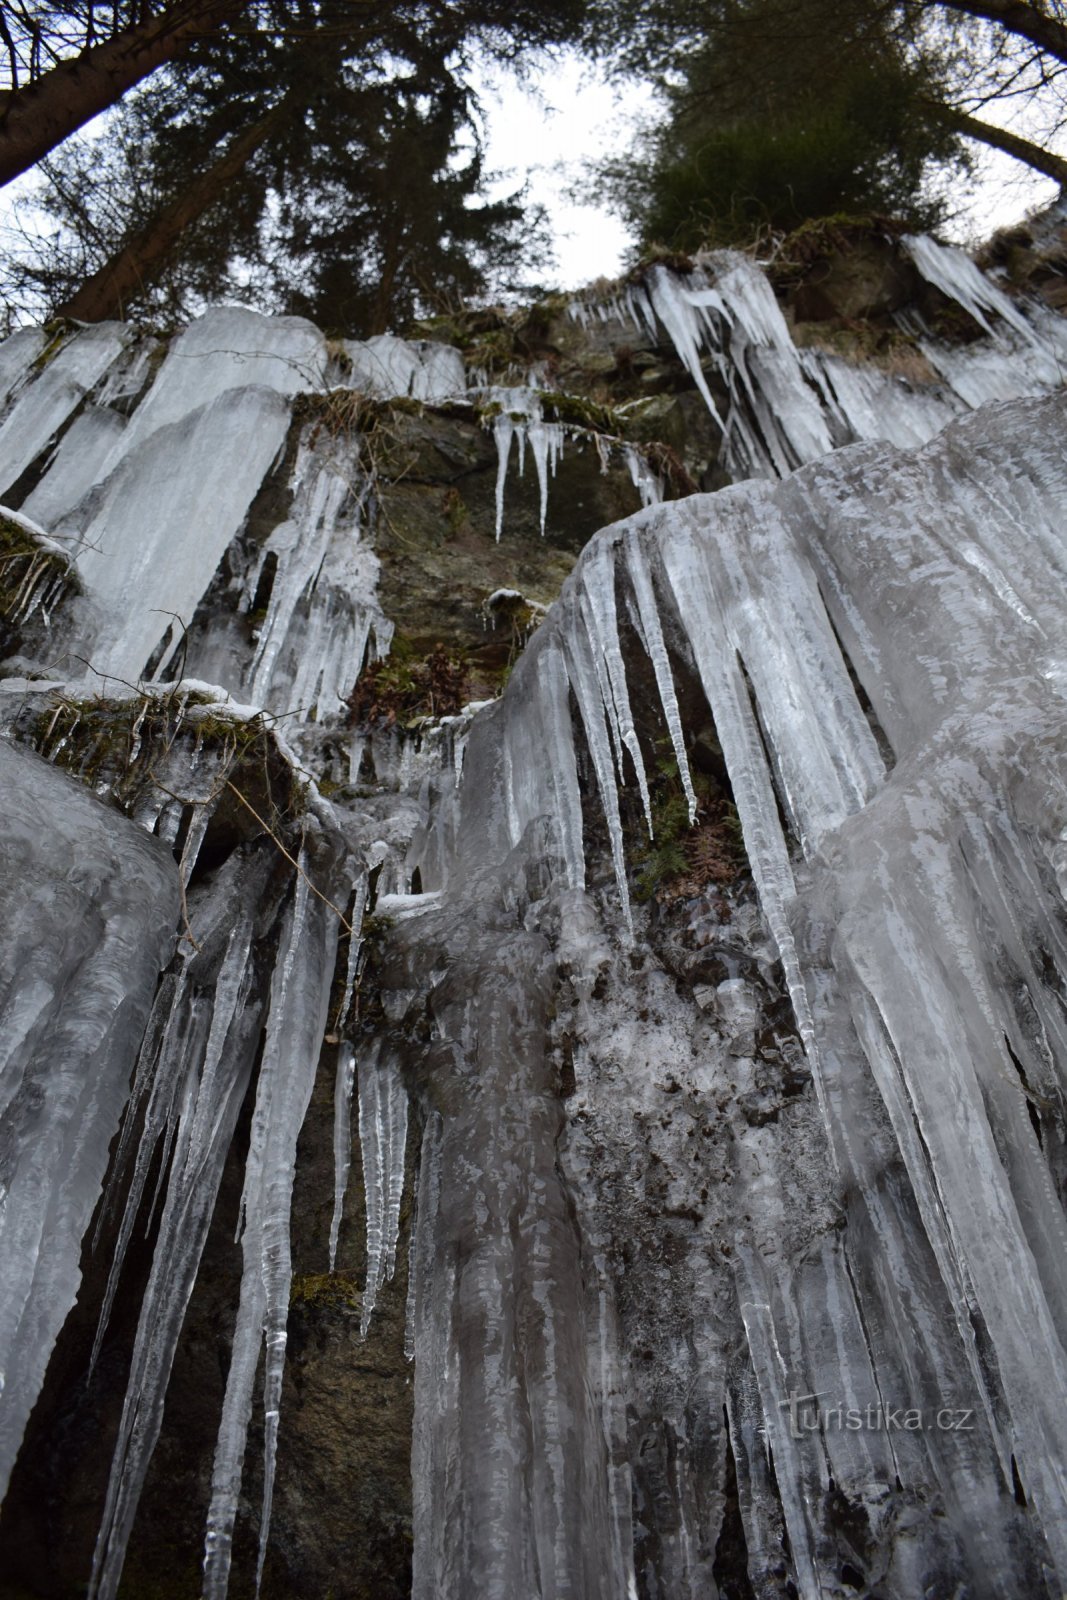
177, 746
686, 859
34, 578
404, 691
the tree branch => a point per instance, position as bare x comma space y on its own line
1013, 144
41, 114
108, 292
1018, 17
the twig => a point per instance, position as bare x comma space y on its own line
342, 919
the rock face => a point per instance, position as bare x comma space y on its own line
695, 1005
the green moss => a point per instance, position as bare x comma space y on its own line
324, 1290
456, 512
685, 859
138, 751
30, 571
659, 255
578, 411
59, 331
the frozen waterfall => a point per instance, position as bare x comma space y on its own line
698, 1004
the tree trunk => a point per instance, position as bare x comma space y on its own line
1016, 16
34, 119
108, 292
1033, 155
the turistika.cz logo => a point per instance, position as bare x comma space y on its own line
808, 1415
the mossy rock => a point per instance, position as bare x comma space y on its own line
37, 581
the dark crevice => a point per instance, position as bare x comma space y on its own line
881, 738
730, 1566
1031, 1108
789, 831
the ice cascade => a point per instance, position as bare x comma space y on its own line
701, 1169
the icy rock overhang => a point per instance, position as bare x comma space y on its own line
878, 641
781, 405
148, 461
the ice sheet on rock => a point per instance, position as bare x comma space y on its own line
226, 350
322, 609
18, 352
864, 403
89, 902
383, 1126
917, 880
1005, 368
44, 404
147, 543
510, 1492
75, 466
388, 368
299, 1002
125, 382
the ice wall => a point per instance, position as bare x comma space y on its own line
786, 405
917, 912
89, 904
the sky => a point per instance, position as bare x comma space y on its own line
569, 115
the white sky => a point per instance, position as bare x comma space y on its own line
570, 115
545, 134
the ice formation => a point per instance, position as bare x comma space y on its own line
89, 902
906, 908
296, 1023
383, 1127
789, 406
672, 1226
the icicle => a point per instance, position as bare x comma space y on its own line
296, 1021
598, 579
503, 428
383, 1121
652, 631
676, 313
953, 272
545, 441
342, 1139
642, 477
208, 1093
158, 1084
582, 674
